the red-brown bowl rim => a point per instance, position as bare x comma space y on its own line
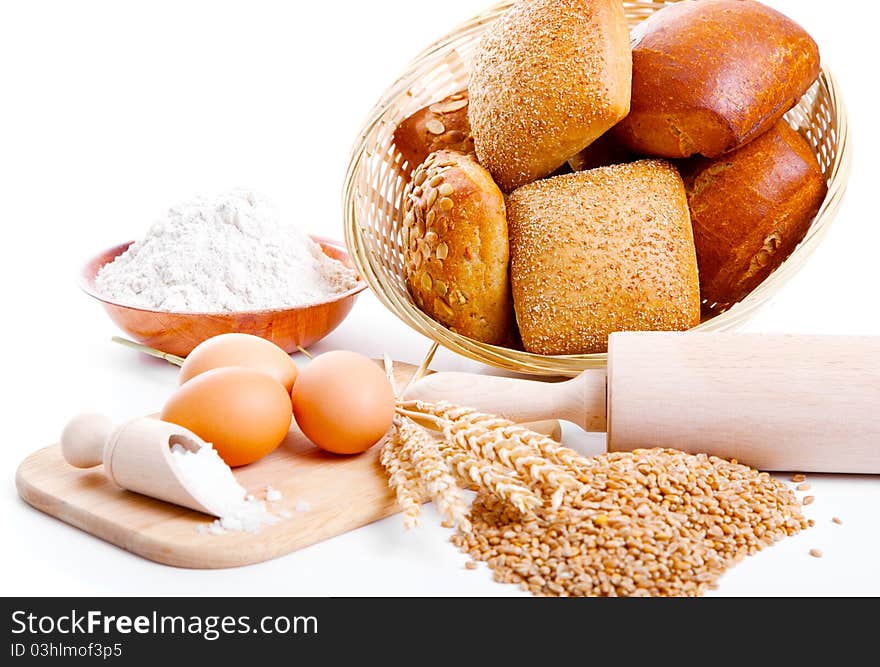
89, 272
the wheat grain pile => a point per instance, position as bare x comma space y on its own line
649, 522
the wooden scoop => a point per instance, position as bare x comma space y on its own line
805, 403
136, 456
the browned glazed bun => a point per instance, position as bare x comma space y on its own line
443, 125
456, 258
710, 76
600, 251
549, 78
750, 209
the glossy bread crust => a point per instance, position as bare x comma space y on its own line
750, 209
710, 76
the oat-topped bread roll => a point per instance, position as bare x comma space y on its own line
443, 125
750, 209
456, 258
599, 251
710, 76
549, 77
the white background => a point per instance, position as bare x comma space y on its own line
111, 111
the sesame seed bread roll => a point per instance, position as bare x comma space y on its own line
600, 251
548, 79
456, 258
712, 75
750, 209
443, 125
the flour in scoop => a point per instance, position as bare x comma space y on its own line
210, 481
232, 253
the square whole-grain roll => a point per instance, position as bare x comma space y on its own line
600, 251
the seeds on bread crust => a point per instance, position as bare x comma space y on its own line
449, 107
456, 247
425, 241
443, 125
435, 126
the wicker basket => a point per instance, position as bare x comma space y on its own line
373, 197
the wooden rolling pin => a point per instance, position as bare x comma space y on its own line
778, 403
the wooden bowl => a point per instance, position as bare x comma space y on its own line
179, 333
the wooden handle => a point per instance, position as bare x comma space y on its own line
581, 401
793, 403
83, 439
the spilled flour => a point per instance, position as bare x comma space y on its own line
231, 253
211, 482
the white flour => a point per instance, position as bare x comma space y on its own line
228, 254
211, 482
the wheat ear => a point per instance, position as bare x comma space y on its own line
488, 476
434, 473
548, 448
485, 435
402, 477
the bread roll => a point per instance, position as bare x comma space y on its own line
549, 77
456, 258
600, 251
712, 75
750, 209
443, 125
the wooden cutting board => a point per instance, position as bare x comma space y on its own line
343, 493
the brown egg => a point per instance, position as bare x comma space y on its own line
245, 413
240, 350
343, 402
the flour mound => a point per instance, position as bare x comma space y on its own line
211, 482
228, 254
